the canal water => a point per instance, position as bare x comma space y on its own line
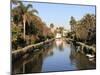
58, 55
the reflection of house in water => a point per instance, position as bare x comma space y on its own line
80, 60
59, 44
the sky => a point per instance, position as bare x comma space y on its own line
59, 14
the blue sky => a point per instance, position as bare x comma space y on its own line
60, 14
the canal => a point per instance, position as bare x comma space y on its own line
58, 55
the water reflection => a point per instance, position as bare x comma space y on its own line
33, 63
80, 60
58, 56
59, 44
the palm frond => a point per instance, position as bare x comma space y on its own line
29, 6
34, 11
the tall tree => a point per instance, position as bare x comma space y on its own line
51, 25
24, 14
72, 23
85, 27
14, 1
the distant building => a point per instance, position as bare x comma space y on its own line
58, 36
65, 32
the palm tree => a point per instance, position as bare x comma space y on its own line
72, 23
24, 14
14, 1
51, 25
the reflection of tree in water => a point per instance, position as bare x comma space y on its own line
80, 60
61, 47
72, 53
31, 65
48, 51
33, 62
83, 62
51, 53
34, 65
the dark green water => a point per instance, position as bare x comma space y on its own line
58, 56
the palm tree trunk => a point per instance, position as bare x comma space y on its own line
24, 26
